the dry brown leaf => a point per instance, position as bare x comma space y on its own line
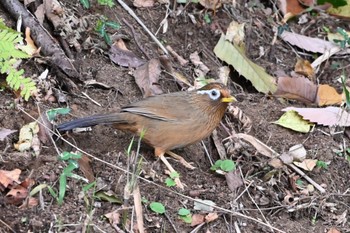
333, 230
197, 219
301, 89
85, 167
276, 163
290, 6
147, 77
143, 3
113, 217
211, 217
30, 202
307, 164
259, 146
120, 55
211, 4
311, 44
9, 177
234, 180
327, 95
304, 67
329, 116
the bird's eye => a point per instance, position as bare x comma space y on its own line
214, 94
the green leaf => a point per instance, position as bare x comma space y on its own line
321, 164
85, 3
65, 155
37, 189
174, 175
109, 3
233, 55
109, 197
206, 18
346, 91
183, 212
335, 3
292, 120
187, 218
216, 165
169, 182
62, 188
89, 186
52, 113
227, 165
157, 207
113, 25
52, 192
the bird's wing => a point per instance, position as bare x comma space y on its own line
168, 107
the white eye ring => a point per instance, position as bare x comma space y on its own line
214, 94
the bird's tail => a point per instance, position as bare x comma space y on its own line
92, 121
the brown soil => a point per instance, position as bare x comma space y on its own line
264, 200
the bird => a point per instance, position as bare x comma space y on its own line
167, 121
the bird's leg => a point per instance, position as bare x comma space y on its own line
171, 169
180, 159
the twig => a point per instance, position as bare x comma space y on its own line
6, 225
132, 13
306, 177
92, 100
135, 38
171, 222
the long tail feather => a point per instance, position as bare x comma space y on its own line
91, 121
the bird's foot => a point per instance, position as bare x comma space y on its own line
181, 160
172, 170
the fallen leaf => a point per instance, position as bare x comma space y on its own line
5, 132
311, 44
329, 116
143, 3
26, 135
290, 6
210, 4
276, 163
211, 217
113, 217
307, 164
9, 178
327, 95
259, 146
292, 120
197, 219
124, 57
333, 230
85, 166
234, 180
235, 33
204, 205
147, 76
340, 12
301, 89
304, 67
233, 55
195, 59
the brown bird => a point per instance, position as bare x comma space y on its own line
170, 121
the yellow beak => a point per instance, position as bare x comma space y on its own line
228, 99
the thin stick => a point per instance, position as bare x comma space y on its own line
132, 13
306, 177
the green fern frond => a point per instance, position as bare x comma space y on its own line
9, 54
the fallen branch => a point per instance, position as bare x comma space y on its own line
43, 39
